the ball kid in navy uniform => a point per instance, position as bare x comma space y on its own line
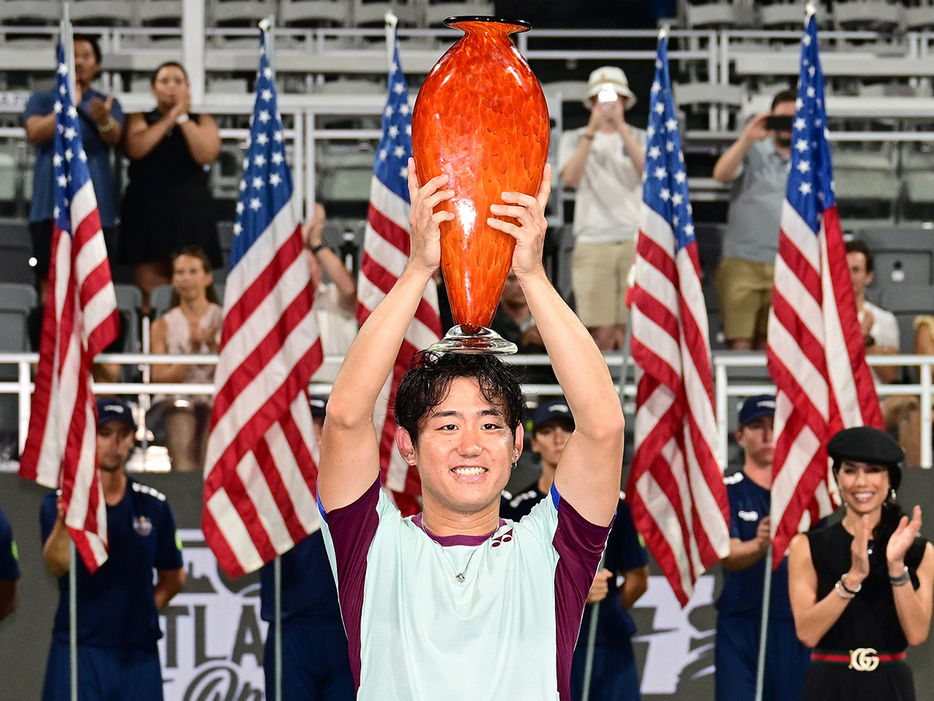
739, 608
614, 674
118, 606
315, 661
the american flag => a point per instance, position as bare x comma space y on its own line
385, 250
679, 502
259, 497
79, 321
815, 348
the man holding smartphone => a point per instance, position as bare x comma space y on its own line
757, 166
604, 161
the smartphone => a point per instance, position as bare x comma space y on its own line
779, 122
607, 97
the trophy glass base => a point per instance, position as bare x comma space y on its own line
473, 339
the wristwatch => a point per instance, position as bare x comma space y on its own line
107, 126
182, 118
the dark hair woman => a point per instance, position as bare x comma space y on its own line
861, 590
192, 325
167, 203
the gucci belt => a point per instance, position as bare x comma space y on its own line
862, 659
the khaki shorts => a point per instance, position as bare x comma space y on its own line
599, 276
744, 288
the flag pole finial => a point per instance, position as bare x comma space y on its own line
663, 32
809, 11
266, 23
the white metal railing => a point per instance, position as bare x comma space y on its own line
725, 386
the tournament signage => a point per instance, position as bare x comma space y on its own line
212, 647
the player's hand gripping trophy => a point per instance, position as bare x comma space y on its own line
481, 119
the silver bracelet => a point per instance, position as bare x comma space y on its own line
901, 579
842, 583
843, 595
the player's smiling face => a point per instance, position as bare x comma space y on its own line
465, 451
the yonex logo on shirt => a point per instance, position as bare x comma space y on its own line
500, 539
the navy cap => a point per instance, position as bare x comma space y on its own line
319, 405
868, 445
757, 407
552, 410
114, 410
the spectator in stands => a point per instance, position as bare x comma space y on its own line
614, 675
513, 321
315, 660
739, 608
757, 165
192, 325
335, 301
102, 122
9, 567
167, 204
878, 326
603, 162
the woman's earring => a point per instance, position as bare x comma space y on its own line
892, 494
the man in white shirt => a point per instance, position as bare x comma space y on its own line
455, 602
603, 162
879, 327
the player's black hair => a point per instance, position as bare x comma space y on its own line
428, 379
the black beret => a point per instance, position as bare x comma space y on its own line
868, 445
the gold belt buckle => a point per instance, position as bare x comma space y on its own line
864, 659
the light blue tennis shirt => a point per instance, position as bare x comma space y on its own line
461, 618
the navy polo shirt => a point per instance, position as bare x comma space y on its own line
9, 562
116, 605
98, 152
742, 590
307, 583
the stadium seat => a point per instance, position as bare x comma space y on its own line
718, 15
871, 15
346, 185
790, 15
906, 302
304, 13
103, 12
160, 299
437, 12
30, 11
919, 17
160, 13
129, 301
865, 184
239, 12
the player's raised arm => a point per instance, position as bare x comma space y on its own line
349, 445
588, 473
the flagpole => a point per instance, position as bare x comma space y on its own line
391, 22
277, 617
73, 618
764, 624
67, 41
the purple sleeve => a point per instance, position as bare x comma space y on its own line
352, 529
579, 545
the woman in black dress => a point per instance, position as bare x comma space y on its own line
167, 204
861, 590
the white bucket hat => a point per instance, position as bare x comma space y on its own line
612, 77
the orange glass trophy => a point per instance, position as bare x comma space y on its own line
481, 118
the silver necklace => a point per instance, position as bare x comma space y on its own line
462, 575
